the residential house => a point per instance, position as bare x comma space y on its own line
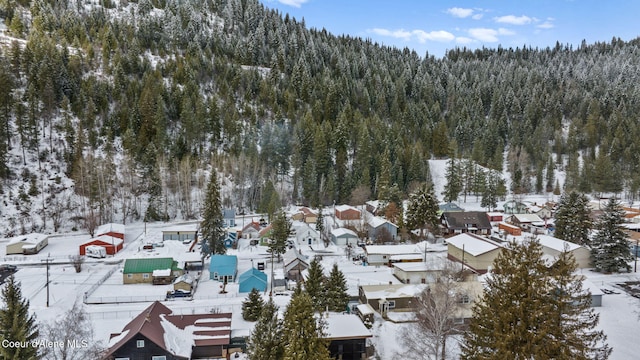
347, 336
552, 247
156, 333
543, 212
229, 217
515, 207
347, 212
382, 254
342, 237
307, 235
474, 252
112, 244
252, 279
389, 297
449, 207
419, 272
310, 217
223, 268
527, 222
142, 270
379, 228
475, 222
180, 232
294, 264
27, 244
373, 206
251, 230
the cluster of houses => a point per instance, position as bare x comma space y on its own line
472, 241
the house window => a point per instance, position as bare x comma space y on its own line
129, 276
392, 304
145, 276
424, 281
140, 343
458, 321
161, 357
464, 299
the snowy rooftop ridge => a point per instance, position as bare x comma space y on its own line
472, 244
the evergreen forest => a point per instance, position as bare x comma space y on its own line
119, 110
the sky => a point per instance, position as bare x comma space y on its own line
437, 26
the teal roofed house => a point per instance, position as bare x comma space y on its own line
252, 279
223, 268
146, 269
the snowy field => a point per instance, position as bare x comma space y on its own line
619, 314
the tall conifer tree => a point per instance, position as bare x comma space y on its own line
266, 340
16, 323
336, 290
211, 227
303, 332
313, 285
572, 219
610, 249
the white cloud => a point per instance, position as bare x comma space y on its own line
514, 20
546, 25
440, 36
294, 3
483, 34
398, 34
459, 12
477, 16
464, 40
503, 31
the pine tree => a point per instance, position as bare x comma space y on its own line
302, 331
490, 191
16, 323
252, 306
572, 219
336, 290
525, 309
313, 285
454, 181
281, 229
610, 250
422, 211
266, 341
211, 227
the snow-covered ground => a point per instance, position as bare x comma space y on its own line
619, 317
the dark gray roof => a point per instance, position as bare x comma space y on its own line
463, 220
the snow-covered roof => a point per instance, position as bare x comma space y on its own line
431, 265
342, 208
556, 244
111, 227
528, 218
365, 309
473, 245
108, 240
391, 291
186, 278
393, 249
376, 221
591, 287
180, 228
178, 341
163, 272
342, 232
28, 238
344, 326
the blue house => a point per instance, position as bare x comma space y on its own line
223, 268
252, 279
229, 217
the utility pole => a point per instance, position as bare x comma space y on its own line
47, 260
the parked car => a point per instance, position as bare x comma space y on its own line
8, 268
173, 294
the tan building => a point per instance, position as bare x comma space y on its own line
552, 247
474, 252
27, 244
138, 271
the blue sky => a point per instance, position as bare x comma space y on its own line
435, 26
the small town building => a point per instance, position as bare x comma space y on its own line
141, 270
309, 216
381, 254
27, 244
347, 336
112, 244
347, 212
294, 264
181, 232
449, 207
419, 272
389, 297
552, 247
475, 222
156, 333
495, 216
379, 228
510, 229
252, 279
474, 252
184, 283
223, 268
229, 217
342, 237
110, 229
306, 234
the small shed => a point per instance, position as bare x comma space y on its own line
223, 268
112, 244
342, 237
510, 229
347, 212
110, 229
495, 216
27, 244
162, 277
252, 279
184, 283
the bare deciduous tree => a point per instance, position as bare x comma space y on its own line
74, 332
436, 308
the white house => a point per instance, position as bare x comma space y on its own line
381, 254
305, 234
